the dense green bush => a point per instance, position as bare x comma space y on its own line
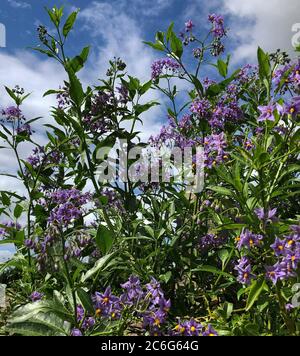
223, 260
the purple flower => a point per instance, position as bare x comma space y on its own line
244, 271
267, 112
210, 331
12, 113
189, 26
289, 307
278, 246
36, 296
25, 130
69, 205
164, 305
133, 290
200, 107
106, 303
88, 323
154, 318
166, 64
192, 328
214, 150
248, 239
268, 215
80, 313
155, 291
248, 145
218, 29
76, 332
293, 258
274, 273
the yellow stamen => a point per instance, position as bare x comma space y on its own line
211, 334
193, 329
157, 322
292, 110
106, 300
98, 312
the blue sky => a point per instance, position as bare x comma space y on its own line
117, 28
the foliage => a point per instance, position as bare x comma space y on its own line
221, 261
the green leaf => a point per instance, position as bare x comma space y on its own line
221, 190
222, 67
11, 94
197, 84
69, 23
223, 255
257, 286
51, 91
77, 63
104, 239
158, 46
145, 87
170, 31
44, 51
176, 45
18, 211
264, 64
213, 270
86, 301
5, 199
100, 264
76, 90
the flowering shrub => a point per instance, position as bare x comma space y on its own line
223, 261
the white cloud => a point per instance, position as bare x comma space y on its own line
122, 38
19, 4
262, 23
5, 255
254, 23
35, 76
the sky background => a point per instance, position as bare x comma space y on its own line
117, 28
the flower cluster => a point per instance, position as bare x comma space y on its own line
192, 328
161, 65
244, 271
69, 205
226, 110
287, 251
214, 150
12, 113
288, 77
40, 157
7, 227
248, 239
218, 31
210, 241
36, 296
266, 215
145, 303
